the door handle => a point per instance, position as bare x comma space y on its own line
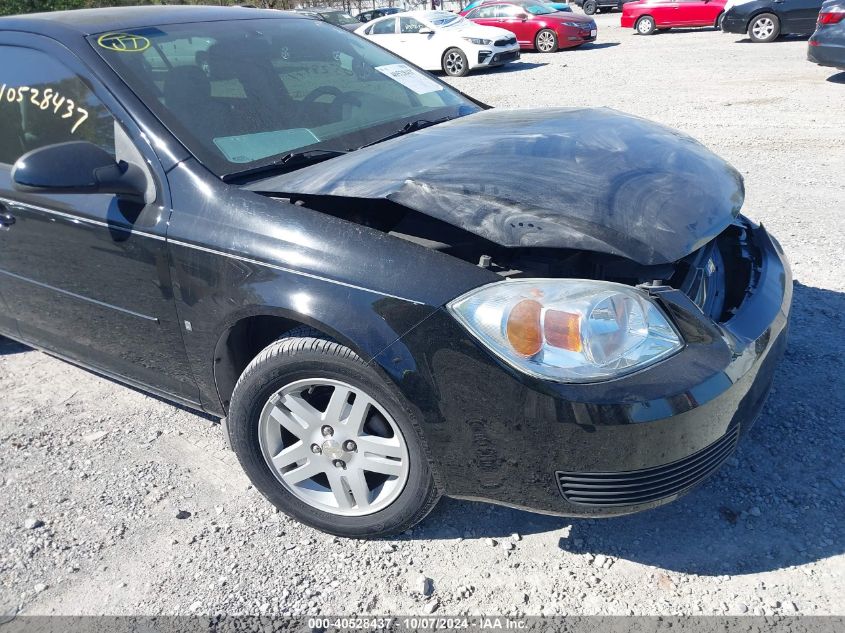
6, 219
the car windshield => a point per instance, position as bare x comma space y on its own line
539, 9
443, 18
243, 94
339, 18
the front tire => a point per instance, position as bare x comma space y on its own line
546, 41
764, 28
645, 25
455, 63
590, 7
325, 439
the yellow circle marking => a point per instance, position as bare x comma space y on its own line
123, 42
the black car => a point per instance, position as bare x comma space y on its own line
591, 6
827, 45
766, 20
332, 16
373, 14
388, 290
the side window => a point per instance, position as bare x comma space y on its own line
487, 12
472, 14
410, 25
385, 27
508, 11
43, 102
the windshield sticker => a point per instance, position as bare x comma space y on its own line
410, 78
49, 100
123, 42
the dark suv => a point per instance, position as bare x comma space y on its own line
374, 14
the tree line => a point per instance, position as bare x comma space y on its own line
15, 7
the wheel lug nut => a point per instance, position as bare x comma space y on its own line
339, 463
350, 446
315, 448
327, 431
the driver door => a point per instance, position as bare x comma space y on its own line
86, 276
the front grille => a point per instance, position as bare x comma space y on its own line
650, 484
506, 57
506, 42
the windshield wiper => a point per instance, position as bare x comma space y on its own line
413, 126
286, 162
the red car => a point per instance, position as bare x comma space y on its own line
535, 24
648, 16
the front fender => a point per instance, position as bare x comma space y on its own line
236, 254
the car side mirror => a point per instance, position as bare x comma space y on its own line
522, 16
76, 167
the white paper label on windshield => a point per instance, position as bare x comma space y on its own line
410, 78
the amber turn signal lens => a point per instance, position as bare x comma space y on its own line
523, 327
563, 330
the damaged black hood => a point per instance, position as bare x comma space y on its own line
592, 179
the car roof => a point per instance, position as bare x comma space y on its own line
92, 21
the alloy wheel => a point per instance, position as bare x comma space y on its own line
454, 63
545, 42
763, 28
333, 447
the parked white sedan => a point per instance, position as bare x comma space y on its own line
438, 40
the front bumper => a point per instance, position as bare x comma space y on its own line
569, 36
496, 56
496, 435
734, 24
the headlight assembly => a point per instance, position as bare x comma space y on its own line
568, 330
576, 25
478, 42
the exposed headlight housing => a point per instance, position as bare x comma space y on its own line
576, 25
478, 42
568, 330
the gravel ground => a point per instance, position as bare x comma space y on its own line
113, 502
